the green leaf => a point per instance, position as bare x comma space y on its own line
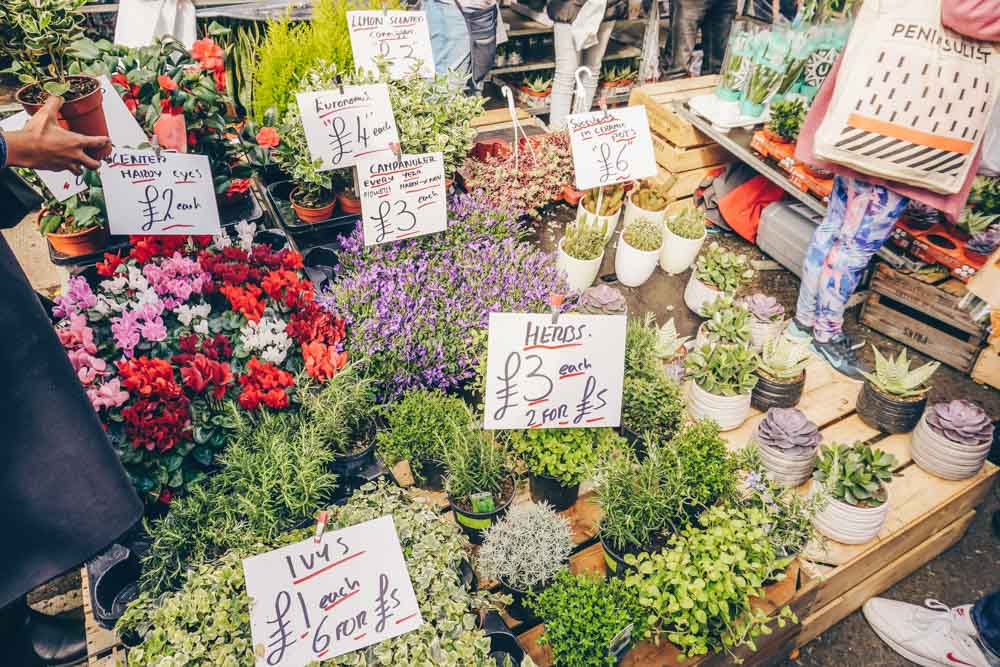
57, 88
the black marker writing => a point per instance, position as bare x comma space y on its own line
282, 637
157, 206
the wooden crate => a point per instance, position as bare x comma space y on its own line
687, 181
678, 159
987, 368
658, 99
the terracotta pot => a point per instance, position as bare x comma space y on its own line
531, 93
772, 136
84, 115
349, 204
571, 195
311, 214
76, 244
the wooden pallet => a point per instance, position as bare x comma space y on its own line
104, 649
658, 99
987, 368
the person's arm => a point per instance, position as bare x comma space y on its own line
44, 144
973, 18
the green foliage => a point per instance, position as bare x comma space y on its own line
697, 592
723, 370
582, 616
985, 194
315, 187
43, 33
652, 405
584, 239
343, 411
71, 215
709, 468
414, 425
477, 461
855, 474
566, 454
787, 117
644, 234
975, 222
722, 269
893, 376
526, 548
641, 347
611, 198
688, 223
728, 322
538, 84
783, 358
668, 343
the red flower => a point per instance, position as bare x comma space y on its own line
264, 383
149, 377
217, 348
322, 361
121, 80
107, 268
268, 137
203, 373
166, 83
287, 288
313, 323
166, 495
155, 424
245, 300
206, 50
238, 186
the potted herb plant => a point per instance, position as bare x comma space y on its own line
855, 478
781, 374
651, 404
893, 397
73, 227
344, 413
648, 201
611, 198
558, 459
767, 318
723, 379
48, 29
728, 323
717, 272
638, 251
581, 251
684, 235
788, 444
524, 551
952, 439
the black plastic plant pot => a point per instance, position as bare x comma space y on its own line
468, 575
518, 609
474, 523
554, 492
503, 643
614, 562
771, 393
272, 174
349, 465
275, 239
887, 413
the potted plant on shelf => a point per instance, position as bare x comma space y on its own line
611, 198
767, 318
728, 323
48, 29
854, 478
558, 459
581, 251
778, 137
312, 197
893, 397
781, 374
535, 91
648, 201
524, 551
788, 444
723, 379
952, 439
602, 300
257, 144
347, 199
684, 235
638, 251
73, 227
717, 272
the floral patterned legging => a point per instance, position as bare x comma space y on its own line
859, 219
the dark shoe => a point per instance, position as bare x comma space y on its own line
56, 640
839, 351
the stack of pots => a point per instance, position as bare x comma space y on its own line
788, 443
952, 440
849, 524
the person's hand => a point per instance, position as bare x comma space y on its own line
44, 144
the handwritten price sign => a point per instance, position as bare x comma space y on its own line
563, 375
342, 128
312, 602
403, 198
401, 38
611, 147
169, 193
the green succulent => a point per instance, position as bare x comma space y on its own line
652, 405
728, 322
538, 84
644, 234
668, 343
784, 359
985, 194
723, 370
855, 474
584, 239
893, 376
653, 195
688, 223
611, 198
975, 222
787, 117
722, 269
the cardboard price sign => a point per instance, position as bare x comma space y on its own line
567, 374
343, 127
314, 601
402, 198
611, 147
169, 193
401, 38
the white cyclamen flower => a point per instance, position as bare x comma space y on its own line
187, 314
267, 338
220, 241
245, 231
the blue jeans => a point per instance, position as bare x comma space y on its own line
986, 616
449, 35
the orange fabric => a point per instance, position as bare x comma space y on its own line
909, 134
742, 207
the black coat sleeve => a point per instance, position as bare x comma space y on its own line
17, 199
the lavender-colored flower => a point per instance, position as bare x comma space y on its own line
789, 430
764, 308
985, 242
754, 482
960, 421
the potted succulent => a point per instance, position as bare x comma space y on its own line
648, 201
728, 323
952, 439
672, 348
788, 444
581, 251
717, 272
854, 478
767, 318
48, 29
638, 251
558, 459
524, 551
723, 379
343, 411
685, 233
602, 300
781, 374
611, 198
893, 397
73, 227
535, 91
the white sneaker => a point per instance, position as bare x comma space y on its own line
936, 636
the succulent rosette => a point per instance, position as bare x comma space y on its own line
788, 429
602, 300
960, 421
764, 308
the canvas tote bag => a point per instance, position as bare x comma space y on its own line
913, 99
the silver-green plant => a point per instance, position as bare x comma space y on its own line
894, 377
728, 325
527, 548
784, 359
688, 223
723, 269
723, 370
584, 239
668, 343
644, 234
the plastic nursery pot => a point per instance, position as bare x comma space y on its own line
849, 524
887, 413
76, 244
474, 523
571, 195
518, 609
772, 393
614, 562
697, 294
761, 331
784, 468
580, 273
633, 266
729, 411
83, 113
551, 490
678, 253
348, 465
311, 213
272, 174
943, 457
503, 643
634, 212
115, 576
349, 204
610, 220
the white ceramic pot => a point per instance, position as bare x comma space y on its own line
786, 469
633, 266
943, 457
580, 273
697, 294
728, 411
634, 213
848, 524
611, 220
678, 253
761, 331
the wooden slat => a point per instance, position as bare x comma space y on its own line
495, 116
678, 159
929, 299
100, 641
663, 120
987, 368
687, 181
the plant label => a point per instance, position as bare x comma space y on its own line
567, 374
402, 198
315, 600
401, 39
343, 127
611, 147
169, 193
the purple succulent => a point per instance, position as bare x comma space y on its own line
985, 242
764, 308
602, 300
788, 429
960, 421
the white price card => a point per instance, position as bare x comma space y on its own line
566, 374
401, 38
611, 147
169, 193
314, 601
343, 127
402, 198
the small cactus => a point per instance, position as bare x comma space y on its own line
584, 239
644, 234
611, 200
688, 223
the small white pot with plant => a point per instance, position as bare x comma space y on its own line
717, 272
638, 251
855, 479
684, 236
728, 323
722, 378
788, 444
767, 318
647, 202
610, 210
581, 251
952, 439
